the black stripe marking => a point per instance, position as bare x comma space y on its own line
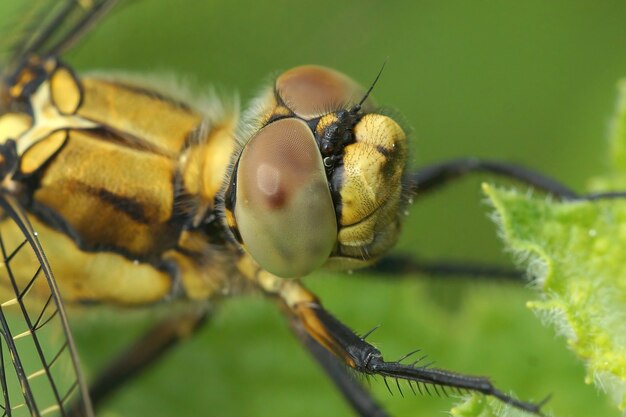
384, 151
132, 208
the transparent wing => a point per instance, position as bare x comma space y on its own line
44, 27
39, 367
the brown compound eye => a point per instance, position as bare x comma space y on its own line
284, 210
311, 91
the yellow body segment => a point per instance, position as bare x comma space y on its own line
139, 115
86, 276
111, 184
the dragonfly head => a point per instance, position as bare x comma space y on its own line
319, 180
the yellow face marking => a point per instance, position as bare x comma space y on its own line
324, 122
370, 191
360, 234
373, 167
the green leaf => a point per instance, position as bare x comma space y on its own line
475, 406
576, 254
480, 406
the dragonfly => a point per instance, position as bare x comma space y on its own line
139, 196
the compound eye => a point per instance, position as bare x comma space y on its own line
312, 91
284, 210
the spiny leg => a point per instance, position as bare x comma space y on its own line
359, 398
356, 353
144, 352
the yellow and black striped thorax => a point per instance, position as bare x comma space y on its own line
117, 167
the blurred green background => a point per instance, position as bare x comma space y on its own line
529, 82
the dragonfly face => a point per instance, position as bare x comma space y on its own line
321, 169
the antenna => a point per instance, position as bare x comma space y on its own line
357, 107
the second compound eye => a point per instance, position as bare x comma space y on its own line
284, 210
311, 91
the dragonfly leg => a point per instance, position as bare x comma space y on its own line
144, 352
433, 177
359, 398
306, 309
436, 176
404, 265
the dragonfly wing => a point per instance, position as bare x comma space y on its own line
39, 367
